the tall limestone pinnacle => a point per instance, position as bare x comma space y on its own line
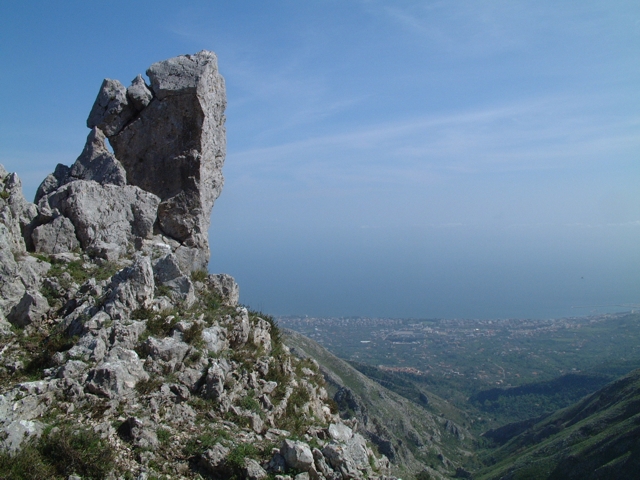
168, 140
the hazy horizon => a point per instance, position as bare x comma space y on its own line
406, 159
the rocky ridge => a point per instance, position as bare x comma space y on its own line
120, 356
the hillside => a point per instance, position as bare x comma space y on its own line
597, 438
412, 436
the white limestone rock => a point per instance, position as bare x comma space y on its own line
340, 432
139, 94
131, 288
32, 308
118, 375
297, 455
104, 213
53, 181
261, 335
168, 273
215, 339
97, 163
175, 148
57, 236
111, 110
225, 286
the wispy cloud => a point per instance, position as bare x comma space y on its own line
462, 28
525, 136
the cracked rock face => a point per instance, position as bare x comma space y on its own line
175, 146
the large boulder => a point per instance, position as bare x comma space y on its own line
103, 213
57, 236
297, 455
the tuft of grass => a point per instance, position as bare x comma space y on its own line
5, 194
164, 291
42, 349
193, 358
145, 387
199, 275
293, 420
249, 402
77, 270
158, 326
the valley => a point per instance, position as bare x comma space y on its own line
499, 371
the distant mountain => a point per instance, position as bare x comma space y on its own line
596, 438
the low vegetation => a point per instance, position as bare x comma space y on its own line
60, 452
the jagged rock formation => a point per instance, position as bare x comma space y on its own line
116, 347
160, 183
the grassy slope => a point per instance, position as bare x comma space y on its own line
597, 438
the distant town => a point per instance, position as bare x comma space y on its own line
503, 352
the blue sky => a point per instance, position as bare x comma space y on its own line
470, 159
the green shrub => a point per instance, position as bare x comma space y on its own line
60, 453
151, 385
158, 326
199, 444
237, 455
163, 435
249, 402
43, 348
193, 335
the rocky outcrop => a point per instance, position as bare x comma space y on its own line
160, 183
20, 274
114, 337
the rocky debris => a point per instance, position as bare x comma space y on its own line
253, 471
133, 430
338, 459
117, 375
